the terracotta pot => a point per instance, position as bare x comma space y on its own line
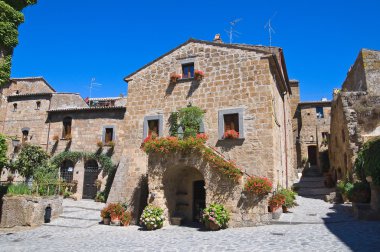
125, 224
115, 221
106, 221
213, 226
284, 209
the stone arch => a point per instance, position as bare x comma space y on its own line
166, 172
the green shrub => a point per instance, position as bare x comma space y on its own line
152, 217
367, 162
345, 188
19, 189
100, 197
290, 197
217, 214
361, 192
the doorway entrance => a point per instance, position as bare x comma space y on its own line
199, 199
91, 172
312, 154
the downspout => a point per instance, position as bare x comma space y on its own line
48, 134
286, 141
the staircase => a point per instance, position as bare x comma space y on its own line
312, 185
78, 214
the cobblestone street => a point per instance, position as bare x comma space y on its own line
312, 226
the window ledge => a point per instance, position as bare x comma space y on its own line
185, 79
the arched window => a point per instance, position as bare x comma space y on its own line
38, 105
14, 107
25, 134
66, 132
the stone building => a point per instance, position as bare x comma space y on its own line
244, 82
244, 88
33, 112
311, 130
355, 113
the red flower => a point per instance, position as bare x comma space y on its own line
231, 134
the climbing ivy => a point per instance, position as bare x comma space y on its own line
10, 18
74, 156
189, 118
368, 161
3, 151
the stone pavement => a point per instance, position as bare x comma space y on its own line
78, 230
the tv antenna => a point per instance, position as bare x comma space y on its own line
268, 26
232, 32
93, 84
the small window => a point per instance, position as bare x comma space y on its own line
38, 105
108, 137
17, 91
188, 70
153, 127
319, 111
231, 122
325, 135
14, 107
25, 134
66, 133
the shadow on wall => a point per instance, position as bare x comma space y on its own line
139, 197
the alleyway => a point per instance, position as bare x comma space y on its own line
312, 226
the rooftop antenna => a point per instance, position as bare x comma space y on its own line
232, 32
93, 84
268, 26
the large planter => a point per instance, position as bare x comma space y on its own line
375, 197
106, 221
209, 225
276, 212
115, 221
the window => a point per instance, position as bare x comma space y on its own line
325, 135
14, 107
231, 119
319, 111
231, 122
188, 70
17, 91
153, 124
67, 170
25, 133
38, 105
153, 127
108, 135
66, 133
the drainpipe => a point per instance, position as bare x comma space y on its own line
286, 141
48, 133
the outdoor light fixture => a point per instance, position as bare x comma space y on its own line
15, 143
152, 195
243, 196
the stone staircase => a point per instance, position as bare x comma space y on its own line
78, 214
311, 184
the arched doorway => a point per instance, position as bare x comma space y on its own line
185, 193
91, 172
67, 171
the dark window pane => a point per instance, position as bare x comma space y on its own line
153, 127
231, 122
109, 135
188, 70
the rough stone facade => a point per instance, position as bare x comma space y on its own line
40, 111
245, 78
355, 118
28, 210
250, 81
313, 134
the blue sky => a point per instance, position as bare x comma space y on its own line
69, 42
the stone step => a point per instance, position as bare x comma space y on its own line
312, 184
311, 179
314, 191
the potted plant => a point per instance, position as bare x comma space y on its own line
215, 217
125, 218
199, 75
276, 201
260, 186
106, 215
152, 217
99, 144
231, 134
116, 211
98, 184
174, 77
111, 144
56, 138
361, 192
290, 199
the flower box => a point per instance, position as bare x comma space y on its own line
174, 77
199, 75
231, 134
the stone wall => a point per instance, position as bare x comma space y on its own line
28, 210
234, 78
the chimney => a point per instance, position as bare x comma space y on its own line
217, 38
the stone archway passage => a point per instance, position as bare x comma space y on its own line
185, 193
91, 172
